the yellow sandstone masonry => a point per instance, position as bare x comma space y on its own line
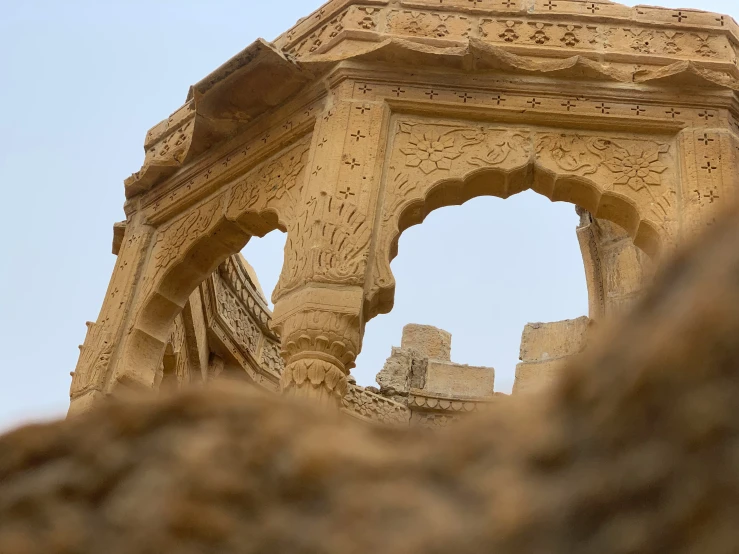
367, 115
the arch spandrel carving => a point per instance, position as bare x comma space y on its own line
371, 113
629, 179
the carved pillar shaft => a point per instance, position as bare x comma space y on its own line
709, 158
320, 296
321, 331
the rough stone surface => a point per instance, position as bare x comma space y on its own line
430, 342
434, 388
532, 376
634, 451
459, 381
395, 374
550, 341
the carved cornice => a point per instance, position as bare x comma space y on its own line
419, 400
231, 320
338, 19
369, 406
594, 40
218, 108
236, 279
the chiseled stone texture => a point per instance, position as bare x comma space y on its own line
325, 134
550, 341
433, 343
545, 348
459, 381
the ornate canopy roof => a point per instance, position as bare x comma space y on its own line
569, 39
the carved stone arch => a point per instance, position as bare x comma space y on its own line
628, 112
186, 250
434, 169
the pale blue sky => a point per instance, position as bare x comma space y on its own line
82, 81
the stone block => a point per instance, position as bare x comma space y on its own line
549, 341
532, 377
433, 343
404, 369
459, 381
396, 372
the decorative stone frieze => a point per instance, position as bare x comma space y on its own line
366, 116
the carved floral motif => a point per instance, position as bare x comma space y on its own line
244, 330
273, 180
429, 150
372, 406
637, 169
271, 358
573, 153
183, 232
636, 164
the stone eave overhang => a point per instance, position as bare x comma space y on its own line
218, 108
263, 76
576, 11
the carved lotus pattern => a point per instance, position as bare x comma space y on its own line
429, 151
638, 170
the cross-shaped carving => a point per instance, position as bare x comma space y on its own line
679, 16
550, 4
431, 94
475, 2
705, 139
265, 138
593, 7
721, 20
508, 3
705, 114
711, 196
465, 97
364, 89
534, 103
499, 99
324, 140
359, 136
672, 112
603, 108
398, 91
638, 110
353, 163
364, 108
317, 170
709, 166
569, 105
346, 193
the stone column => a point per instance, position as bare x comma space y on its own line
90, 375
709, 159
321, 329
319, 300
616, 270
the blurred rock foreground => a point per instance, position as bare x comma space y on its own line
634, 450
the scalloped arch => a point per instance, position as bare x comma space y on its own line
490, 181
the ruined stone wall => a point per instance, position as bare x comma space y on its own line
545, 348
